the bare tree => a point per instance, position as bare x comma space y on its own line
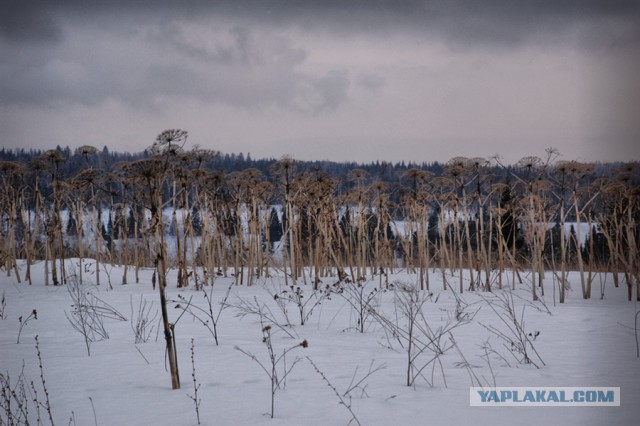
417, 203
12, 176
53, 224
285, 171
151, 174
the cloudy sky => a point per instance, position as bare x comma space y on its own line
345, 80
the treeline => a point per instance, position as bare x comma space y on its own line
104, 160
472, 219
379, 171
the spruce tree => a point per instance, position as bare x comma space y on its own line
71, 230
196, 221
275, 228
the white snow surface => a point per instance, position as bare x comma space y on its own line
583, 343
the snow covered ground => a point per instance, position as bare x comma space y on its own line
582, 343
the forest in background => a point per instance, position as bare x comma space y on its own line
229, 213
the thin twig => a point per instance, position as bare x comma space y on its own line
343, 402
44, 384
95, 417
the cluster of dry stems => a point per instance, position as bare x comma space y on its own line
466, 223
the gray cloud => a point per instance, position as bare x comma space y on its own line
346, 70
322, 94
140, 50
502, 22
27, 22
370, 81
239, 66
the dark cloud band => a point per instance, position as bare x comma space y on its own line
489, 21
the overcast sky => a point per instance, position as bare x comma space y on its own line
344, 80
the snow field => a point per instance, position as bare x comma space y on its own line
583, 343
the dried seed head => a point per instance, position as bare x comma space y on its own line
266, 328
304, 343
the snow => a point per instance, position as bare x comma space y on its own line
583, 343
583, 231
